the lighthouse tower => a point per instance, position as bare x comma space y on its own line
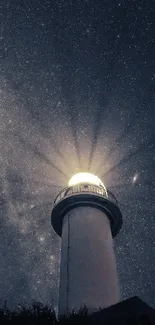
86, 215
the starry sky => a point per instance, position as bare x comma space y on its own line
77, 93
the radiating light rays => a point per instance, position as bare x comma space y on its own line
34, 139
47, 155
45, 184
42, 157
118, 141
45, 158
69, 95
96, 133
126, 159
75, 140
51, 137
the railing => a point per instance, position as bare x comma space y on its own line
83, 188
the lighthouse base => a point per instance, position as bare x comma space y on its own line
88, 274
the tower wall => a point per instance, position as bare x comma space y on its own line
88, 272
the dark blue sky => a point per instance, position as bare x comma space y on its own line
77, 82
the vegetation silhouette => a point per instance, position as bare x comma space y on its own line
38, 313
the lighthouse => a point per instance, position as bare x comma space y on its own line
87, 217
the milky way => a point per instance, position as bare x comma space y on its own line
76, 94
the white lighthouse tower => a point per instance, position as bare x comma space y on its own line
86, 215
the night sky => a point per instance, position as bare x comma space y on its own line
77, 93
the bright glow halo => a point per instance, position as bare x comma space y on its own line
85, 178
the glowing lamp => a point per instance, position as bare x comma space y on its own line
85, 178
